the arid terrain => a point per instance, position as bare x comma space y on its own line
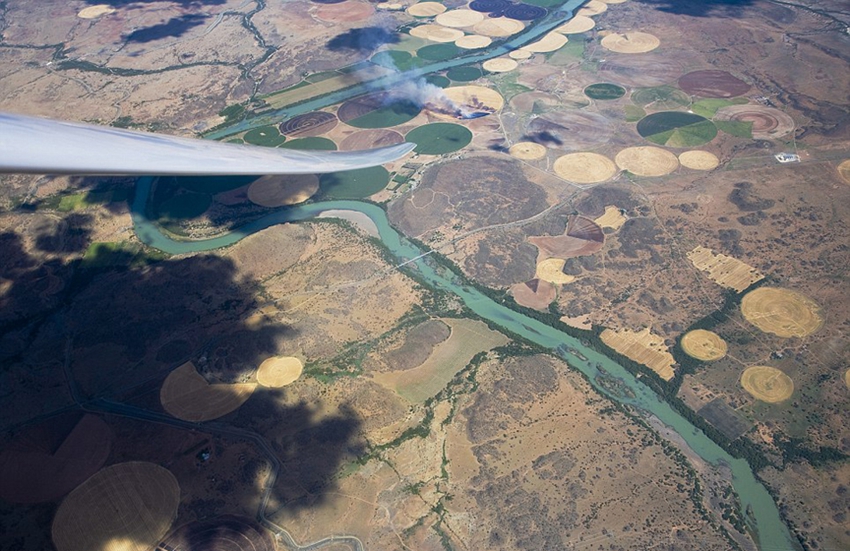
622, 178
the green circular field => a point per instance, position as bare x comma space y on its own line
465, 73
313, 143
438, 80
268, 136
676, 129
354, 184
438, 52
184, 205
376, 114
660, 98
604, 91
395, 59
439, 138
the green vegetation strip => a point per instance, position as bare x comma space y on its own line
439, 138
604, 91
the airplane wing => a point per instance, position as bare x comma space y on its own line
43, 146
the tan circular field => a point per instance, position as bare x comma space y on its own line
477, 97
551, 270
426, 9
630, 43
647, 161
185, 394
436, 33
93, 12
520, 54
577, 25
549, 43
124, 507
594, 7
459, 18
783, 312
498, 27
703, 345
528, 151
767, 384
348, 11
280, 190
500, 65
768, 122
279, 371
844, 170
699, 160
847, 378
585, 168
473, 41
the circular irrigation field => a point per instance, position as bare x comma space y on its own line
767, 122
377, 110
647, 161
126, 506
660, 98
677, 129
464, 73
604, 91
528, 151
489, 6
315, 143
713, 84
354, 184
585, 168
570, 130
767, 384
222, 533
369, 139
279, 371
699, 160
268, 136
783, 312
438, 52
630, 43
309, 124
439, 138
49, 460
703, 345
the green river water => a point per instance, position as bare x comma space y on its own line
765, 521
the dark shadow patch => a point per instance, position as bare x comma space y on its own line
173, 28
543, 138
363, 40
705, 8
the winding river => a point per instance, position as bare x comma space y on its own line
765, 520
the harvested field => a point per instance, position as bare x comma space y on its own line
288, 189
309, 124
577, 25
535, 293
713, 84
459, 18
724, 270
520, 54
703, 345
369, 139
699, 160
222, 533
844, 170
549, 43
93, 12
468, 338
528, 151
279, 371
377, 110
593, 7
436, 33
585, 168
185, 394
473, 42
613, 218
570, 130
551, 270
767, 384
499, 65
783, 312
630, 43
767, 122
647, 161
582, 237
426, 9
345, 12
642, 347
124, 507
498, 27
477, 98
49, 460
